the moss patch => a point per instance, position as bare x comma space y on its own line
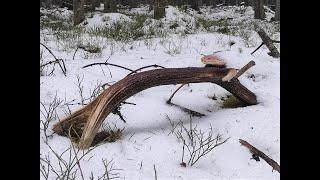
231, 102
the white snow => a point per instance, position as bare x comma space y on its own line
145, 137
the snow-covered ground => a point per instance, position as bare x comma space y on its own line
146, 141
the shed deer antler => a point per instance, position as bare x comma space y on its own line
91, 116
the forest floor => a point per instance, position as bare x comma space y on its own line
151, 140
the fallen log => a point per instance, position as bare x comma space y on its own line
257, 153
269, 43
90, 118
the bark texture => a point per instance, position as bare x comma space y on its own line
91, 116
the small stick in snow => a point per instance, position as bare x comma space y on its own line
169, 100
257, 153
233, 73
257, 48
155, 172
189, 111
245, 68
75, 52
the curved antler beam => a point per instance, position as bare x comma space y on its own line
92, 116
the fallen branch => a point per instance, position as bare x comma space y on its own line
257, 153
48, 50
90, 117
245, 68
269, 43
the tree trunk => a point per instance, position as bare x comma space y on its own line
180, 3
97, 3
93, 115
258, 9
159, 9
94, 4
213, 3
106, 4
45, 3
151, 5
110, 6
78, 11
277, 15
196, 4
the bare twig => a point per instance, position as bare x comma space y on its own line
57, 61
139, 69
48, 50
107, 64
129, 103
198, 144
75, 52
45, 170
76, 156
258, 153
169, 100
155, 172
274, 41
80, 88
109, 171
66, 169
189, 111
205, 147
183, 164
257, 48
49, 113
